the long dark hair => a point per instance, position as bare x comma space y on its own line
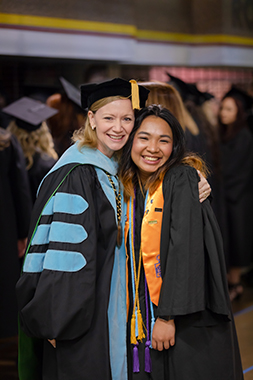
128, 171
228, 132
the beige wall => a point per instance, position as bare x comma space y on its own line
176, 16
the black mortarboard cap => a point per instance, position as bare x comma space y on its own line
189, 91
29, 113
242, 96
92, 92
72, 92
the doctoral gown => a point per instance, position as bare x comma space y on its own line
194, 289
72, 288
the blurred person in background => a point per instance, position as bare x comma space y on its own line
166, 95
4, 118
206, 141
206, 144
250, 112
237, 167
15, 212
33, 134
71, 115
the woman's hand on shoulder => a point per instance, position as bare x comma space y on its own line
53, 342
204, 188
21, 247
163, 336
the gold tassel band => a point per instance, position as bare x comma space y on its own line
135, 94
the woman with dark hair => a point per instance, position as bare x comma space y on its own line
178, 297
237, 167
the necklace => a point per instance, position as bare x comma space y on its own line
118, 204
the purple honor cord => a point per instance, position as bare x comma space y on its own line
148, 367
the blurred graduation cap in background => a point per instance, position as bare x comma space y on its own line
242, 96
189, 91
29, 113
72, 92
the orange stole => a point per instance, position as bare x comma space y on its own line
150, 243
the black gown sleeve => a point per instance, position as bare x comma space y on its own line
20, 189
56, 296
185, 263
237, 157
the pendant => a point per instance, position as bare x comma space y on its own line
119, 235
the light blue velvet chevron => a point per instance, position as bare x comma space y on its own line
59, 232
65, 261
65, 203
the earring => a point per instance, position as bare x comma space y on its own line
93, 127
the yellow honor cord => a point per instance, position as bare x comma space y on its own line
140, 323
135, 94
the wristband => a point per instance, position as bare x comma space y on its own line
167, 318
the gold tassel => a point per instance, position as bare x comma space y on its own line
141, 334
133, 337
135, 94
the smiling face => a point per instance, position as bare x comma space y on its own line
152, 146
113, 122
228, 111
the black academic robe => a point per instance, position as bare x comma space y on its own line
237, 166
198, 144
194, 290
42, 163
66, 298
15, 212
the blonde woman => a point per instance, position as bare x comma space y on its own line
71, 293
34, 138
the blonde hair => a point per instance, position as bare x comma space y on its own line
166, 95
86, 136
39, 140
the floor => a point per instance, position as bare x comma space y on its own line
243, 312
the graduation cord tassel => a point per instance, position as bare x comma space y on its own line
141, 334
133, 336
148, 364
136, 363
